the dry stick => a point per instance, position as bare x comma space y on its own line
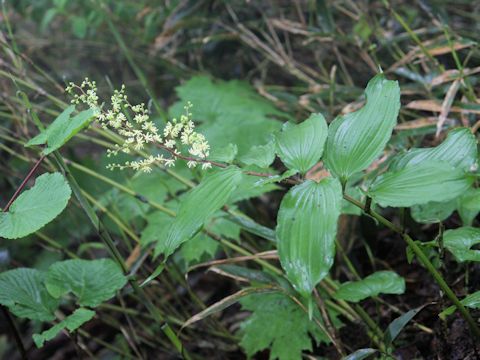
424, 260
8, 317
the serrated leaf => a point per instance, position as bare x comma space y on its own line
280, 325
91, 281
198, 206
229, 112
71, 322
306, 231
62, 129
260, 155
35, 207
301, 146
194, 249
385, 282
460, 241
459, 150
24, 293
355, 140
419, 184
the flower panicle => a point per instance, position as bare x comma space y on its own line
133, 124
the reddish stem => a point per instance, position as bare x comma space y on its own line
24, 182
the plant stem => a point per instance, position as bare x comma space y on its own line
24, 182
425, 261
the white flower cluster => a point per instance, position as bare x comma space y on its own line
133, 124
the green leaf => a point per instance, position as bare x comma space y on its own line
224, 154
397, 325
419, 184
433, 212
71, 322
386, 282
360, 354
24, 293
459, 149
355, 140
260, 155
468, 206
472, 301
62, 129
280, 325
194, 249
460, 241
79, 26
306, 230
91, 281
35, 207
301, 146
276, 178
229, 112
198, 206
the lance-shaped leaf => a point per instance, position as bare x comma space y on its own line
198, 206
71, 322
306, 230
419, 184
301, 146
460, 242
35, 207
24, 293
386, 282
355, 140
91, 281
459, 149
62, 129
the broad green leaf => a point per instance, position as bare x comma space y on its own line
419, 184
24, 293
397, 325
229, 112
360, 354
433, 212
62, 129
280, 325
157, 227
260, 155
385, 282
459, 149
306, 230
35, 207
71, 322
472, 301
198, 206
468, 206
301, 146
460, 241
224, 154
91, 281
355, 140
